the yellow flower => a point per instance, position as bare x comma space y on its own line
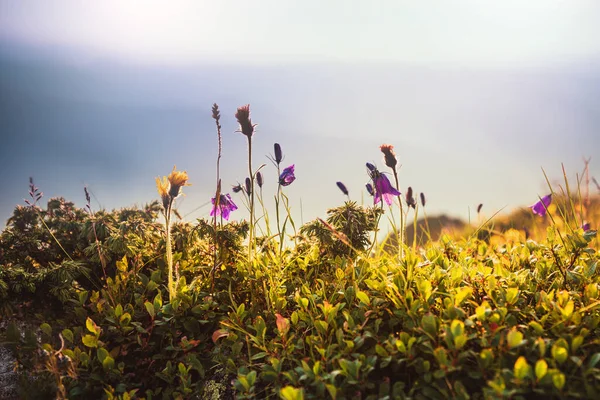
177, 179
163, 190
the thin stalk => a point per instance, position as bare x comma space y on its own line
401, 232
251, 200
169, 251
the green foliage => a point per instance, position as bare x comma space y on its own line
464, 318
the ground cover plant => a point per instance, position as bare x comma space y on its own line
137, 303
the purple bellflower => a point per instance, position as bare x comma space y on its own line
287, 176
382, 187
224, 207
540, 207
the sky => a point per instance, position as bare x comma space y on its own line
477, 97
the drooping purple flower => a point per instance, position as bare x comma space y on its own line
586, 226
223, 207
369, 189
383, 189
540, 207
237, 188
287, 176
342, 187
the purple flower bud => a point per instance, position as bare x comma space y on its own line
541, 206
369, 188
371, 167
479, 208
410, 200
586, 226
342, 187
248, 186
423, 199
237, 188
287, 176
259, 179
278, 153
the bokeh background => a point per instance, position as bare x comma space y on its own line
477, 97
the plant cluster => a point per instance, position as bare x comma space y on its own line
117, 305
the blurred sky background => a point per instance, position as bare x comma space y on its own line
476, 96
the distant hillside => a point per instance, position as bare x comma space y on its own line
522, 219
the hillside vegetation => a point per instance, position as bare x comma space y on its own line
135, 303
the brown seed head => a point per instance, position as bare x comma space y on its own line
389, 155
177, 179
163, 190
243, 117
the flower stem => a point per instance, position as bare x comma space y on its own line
401, 231
251, 200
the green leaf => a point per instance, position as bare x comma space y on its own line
457, 328
429, 324
291, 393
560, 353
118, 310
594, 360
68, 335
47, 329
541, 368
363, 297
101, 353
537, 327
108, 363
90, 341
512, 295
521, 369
150, 308
462, 295
558, 379
92, 327
514, 338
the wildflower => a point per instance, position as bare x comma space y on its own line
369, 189
278, 153
586, 226
243, 117
383, 189
342, 187
389, 155
163, 190
541, 206
177, 179
237, 188
410, 200
248, 186
479, 208
287, 176
423, 199
223, 207
259, 179
382, 186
